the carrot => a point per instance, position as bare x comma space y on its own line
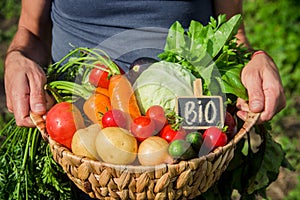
95, 106
101, 90
122, 96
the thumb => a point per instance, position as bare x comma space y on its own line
38, 102
256, 105
256, 98
37, 96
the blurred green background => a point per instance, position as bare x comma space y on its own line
271, 25
274, 26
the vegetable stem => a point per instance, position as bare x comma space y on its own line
25, 160
70, 88
92, 55
34, 146
55, 94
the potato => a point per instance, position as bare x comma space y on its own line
116, 145
83, 141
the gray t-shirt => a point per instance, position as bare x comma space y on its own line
125, 29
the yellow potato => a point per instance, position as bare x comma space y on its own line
83, 141
116, 145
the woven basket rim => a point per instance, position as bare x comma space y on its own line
66, 152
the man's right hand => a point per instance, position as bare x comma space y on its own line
24, 86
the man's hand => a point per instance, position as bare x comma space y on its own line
262, 80
24, 85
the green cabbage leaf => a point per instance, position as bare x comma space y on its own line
161, 83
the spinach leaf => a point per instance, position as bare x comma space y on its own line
230, 81
223, 33
175, 38
268, 168
204, 50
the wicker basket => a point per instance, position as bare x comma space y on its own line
184, 180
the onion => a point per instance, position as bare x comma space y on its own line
153, 151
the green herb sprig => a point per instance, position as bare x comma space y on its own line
28, 170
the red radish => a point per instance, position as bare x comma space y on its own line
230, 123
214, 137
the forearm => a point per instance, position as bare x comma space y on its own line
31, 46
33, 37
230, 8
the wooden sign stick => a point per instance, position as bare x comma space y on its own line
198, 87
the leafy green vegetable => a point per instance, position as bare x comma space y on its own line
210, 52
27, 169
223, 31
161, 83
267, 168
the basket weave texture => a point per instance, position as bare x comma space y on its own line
184, 180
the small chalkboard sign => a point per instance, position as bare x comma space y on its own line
200, 112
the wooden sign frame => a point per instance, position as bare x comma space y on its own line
198, 111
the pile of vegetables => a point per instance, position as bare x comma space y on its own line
114, 130
108, 115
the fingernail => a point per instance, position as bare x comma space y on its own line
256, 106
39, 107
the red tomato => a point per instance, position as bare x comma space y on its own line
62, 121
157, 115
169, 134
114, 118
142, 127
213, 137
99, 77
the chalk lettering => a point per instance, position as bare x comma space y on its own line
200, 112
210, 109
190, 114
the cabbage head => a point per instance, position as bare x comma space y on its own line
161, 83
